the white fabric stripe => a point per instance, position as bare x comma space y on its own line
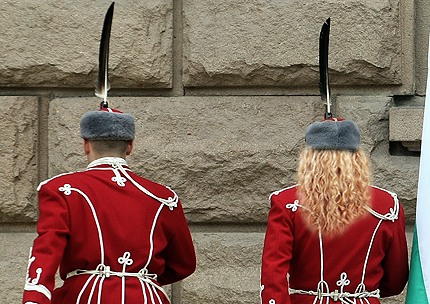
39, 288
423, 204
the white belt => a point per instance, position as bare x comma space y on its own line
336, 295
104, 271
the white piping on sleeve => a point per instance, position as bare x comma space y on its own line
39, 288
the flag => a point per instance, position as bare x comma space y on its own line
419, 277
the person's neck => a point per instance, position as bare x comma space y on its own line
93, 157
108, 160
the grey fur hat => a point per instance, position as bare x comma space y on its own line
107, 124
333, 134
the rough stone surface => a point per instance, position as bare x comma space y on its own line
406, 124
18, 173
14, 253
370, 113
225, 155
398, 174
228, 269
56, 43
222, 155
422, 24
247, 43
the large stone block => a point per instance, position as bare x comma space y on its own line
225, 155
222, 155
370, 113
406, 124
275, 43
14, 254
422, 24
18, 173
228, 269
48, 43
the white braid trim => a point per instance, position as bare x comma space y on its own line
336, 295
279, 191
39, 288
67, 190
48, 180
118, 163
393, 215
108, 161
103, 271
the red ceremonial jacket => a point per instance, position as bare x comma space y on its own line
368, 260
116, 237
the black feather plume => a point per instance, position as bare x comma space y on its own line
323, 63
102, 84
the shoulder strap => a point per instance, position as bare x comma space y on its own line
393, 215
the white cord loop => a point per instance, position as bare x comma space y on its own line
336, 295
104, 271
118, 164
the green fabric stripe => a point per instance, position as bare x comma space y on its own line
416, 293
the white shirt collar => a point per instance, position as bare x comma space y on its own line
108, 161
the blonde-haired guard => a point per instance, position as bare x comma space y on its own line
333, 187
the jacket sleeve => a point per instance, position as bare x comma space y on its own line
395, 262
179, 254
48, 247
277, 254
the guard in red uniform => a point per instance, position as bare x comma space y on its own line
333, 238
116, 237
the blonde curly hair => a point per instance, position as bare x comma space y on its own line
333, 187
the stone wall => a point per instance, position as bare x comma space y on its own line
222, 92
